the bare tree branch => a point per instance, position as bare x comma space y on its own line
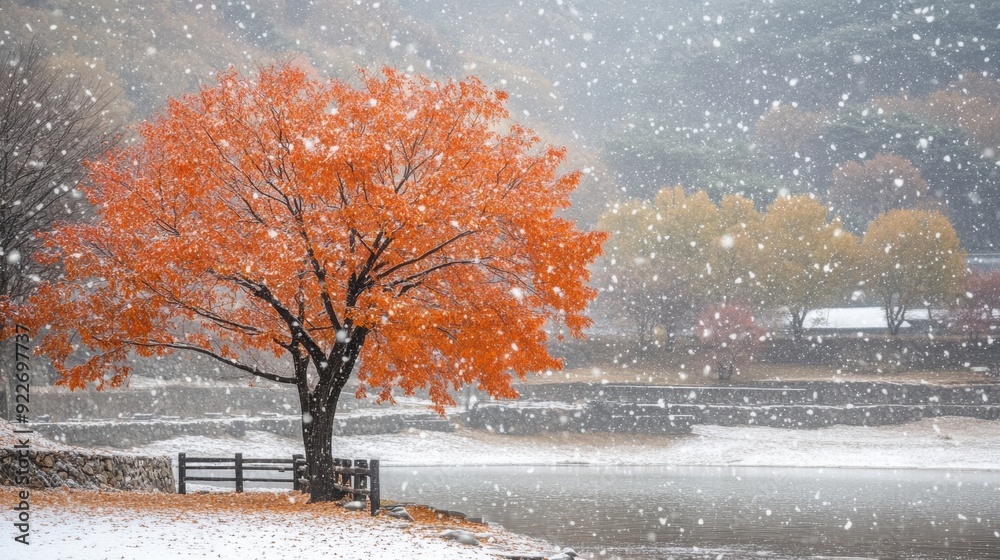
204, 351
49, 125
437, 248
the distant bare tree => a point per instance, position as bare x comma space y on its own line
49, 124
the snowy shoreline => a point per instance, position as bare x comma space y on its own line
253, 525
949, 443
941, 443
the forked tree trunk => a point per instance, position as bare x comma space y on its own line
894, 319
319, 408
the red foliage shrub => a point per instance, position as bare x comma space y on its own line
731, 336
980, 315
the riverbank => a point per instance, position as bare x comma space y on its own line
87, 525
83, 525
933, 443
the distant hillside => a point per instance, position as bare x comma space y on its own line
645, 96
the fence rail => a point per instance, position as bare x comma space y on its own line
295, 467
358, 478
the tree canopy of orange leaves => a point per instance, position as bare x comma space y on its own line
304, 231
392, 230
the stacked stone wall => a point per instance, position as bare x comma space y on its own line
125, 434
81, 469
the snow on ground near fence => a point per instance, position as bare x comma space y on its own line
67, 534
954, 443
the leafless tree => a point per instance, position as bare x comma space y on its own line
50, 124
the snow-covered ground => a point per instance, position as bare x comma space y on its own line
65, 534
953, 443
61, 534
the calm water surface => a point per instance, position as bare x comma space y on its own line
713, 512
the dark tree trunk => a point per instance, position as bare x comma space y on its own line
319, 408
894, 319
797, 323
642, 327
317, 435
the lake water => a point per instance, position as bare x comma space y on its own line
717, 512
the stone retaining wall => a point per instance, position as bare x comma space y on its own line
873, 353
805, 416
868, 353
767, 393
610, 416
522, 418
184, 401
531, 418
861, 392
81, 469
124, 434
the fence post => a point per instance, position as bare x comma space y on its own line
239, 472
341, 477
298, 460
375, 487
181, 473
360, 479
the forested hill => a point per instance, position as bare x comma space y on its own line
750, 96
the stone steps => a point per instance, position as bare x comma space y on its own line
768, 393
812, 416
663, 418
530, 418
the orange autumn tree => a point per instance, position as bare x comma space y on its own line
305, 231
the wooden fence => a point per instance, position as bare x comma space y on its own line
358, 478
294, 467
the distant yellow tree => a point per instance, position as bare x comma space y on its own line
862, 190
668, 260
689, 226
631, 225
629, 283
913, 260
739, 259
690, 230
809, 258
662, 259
